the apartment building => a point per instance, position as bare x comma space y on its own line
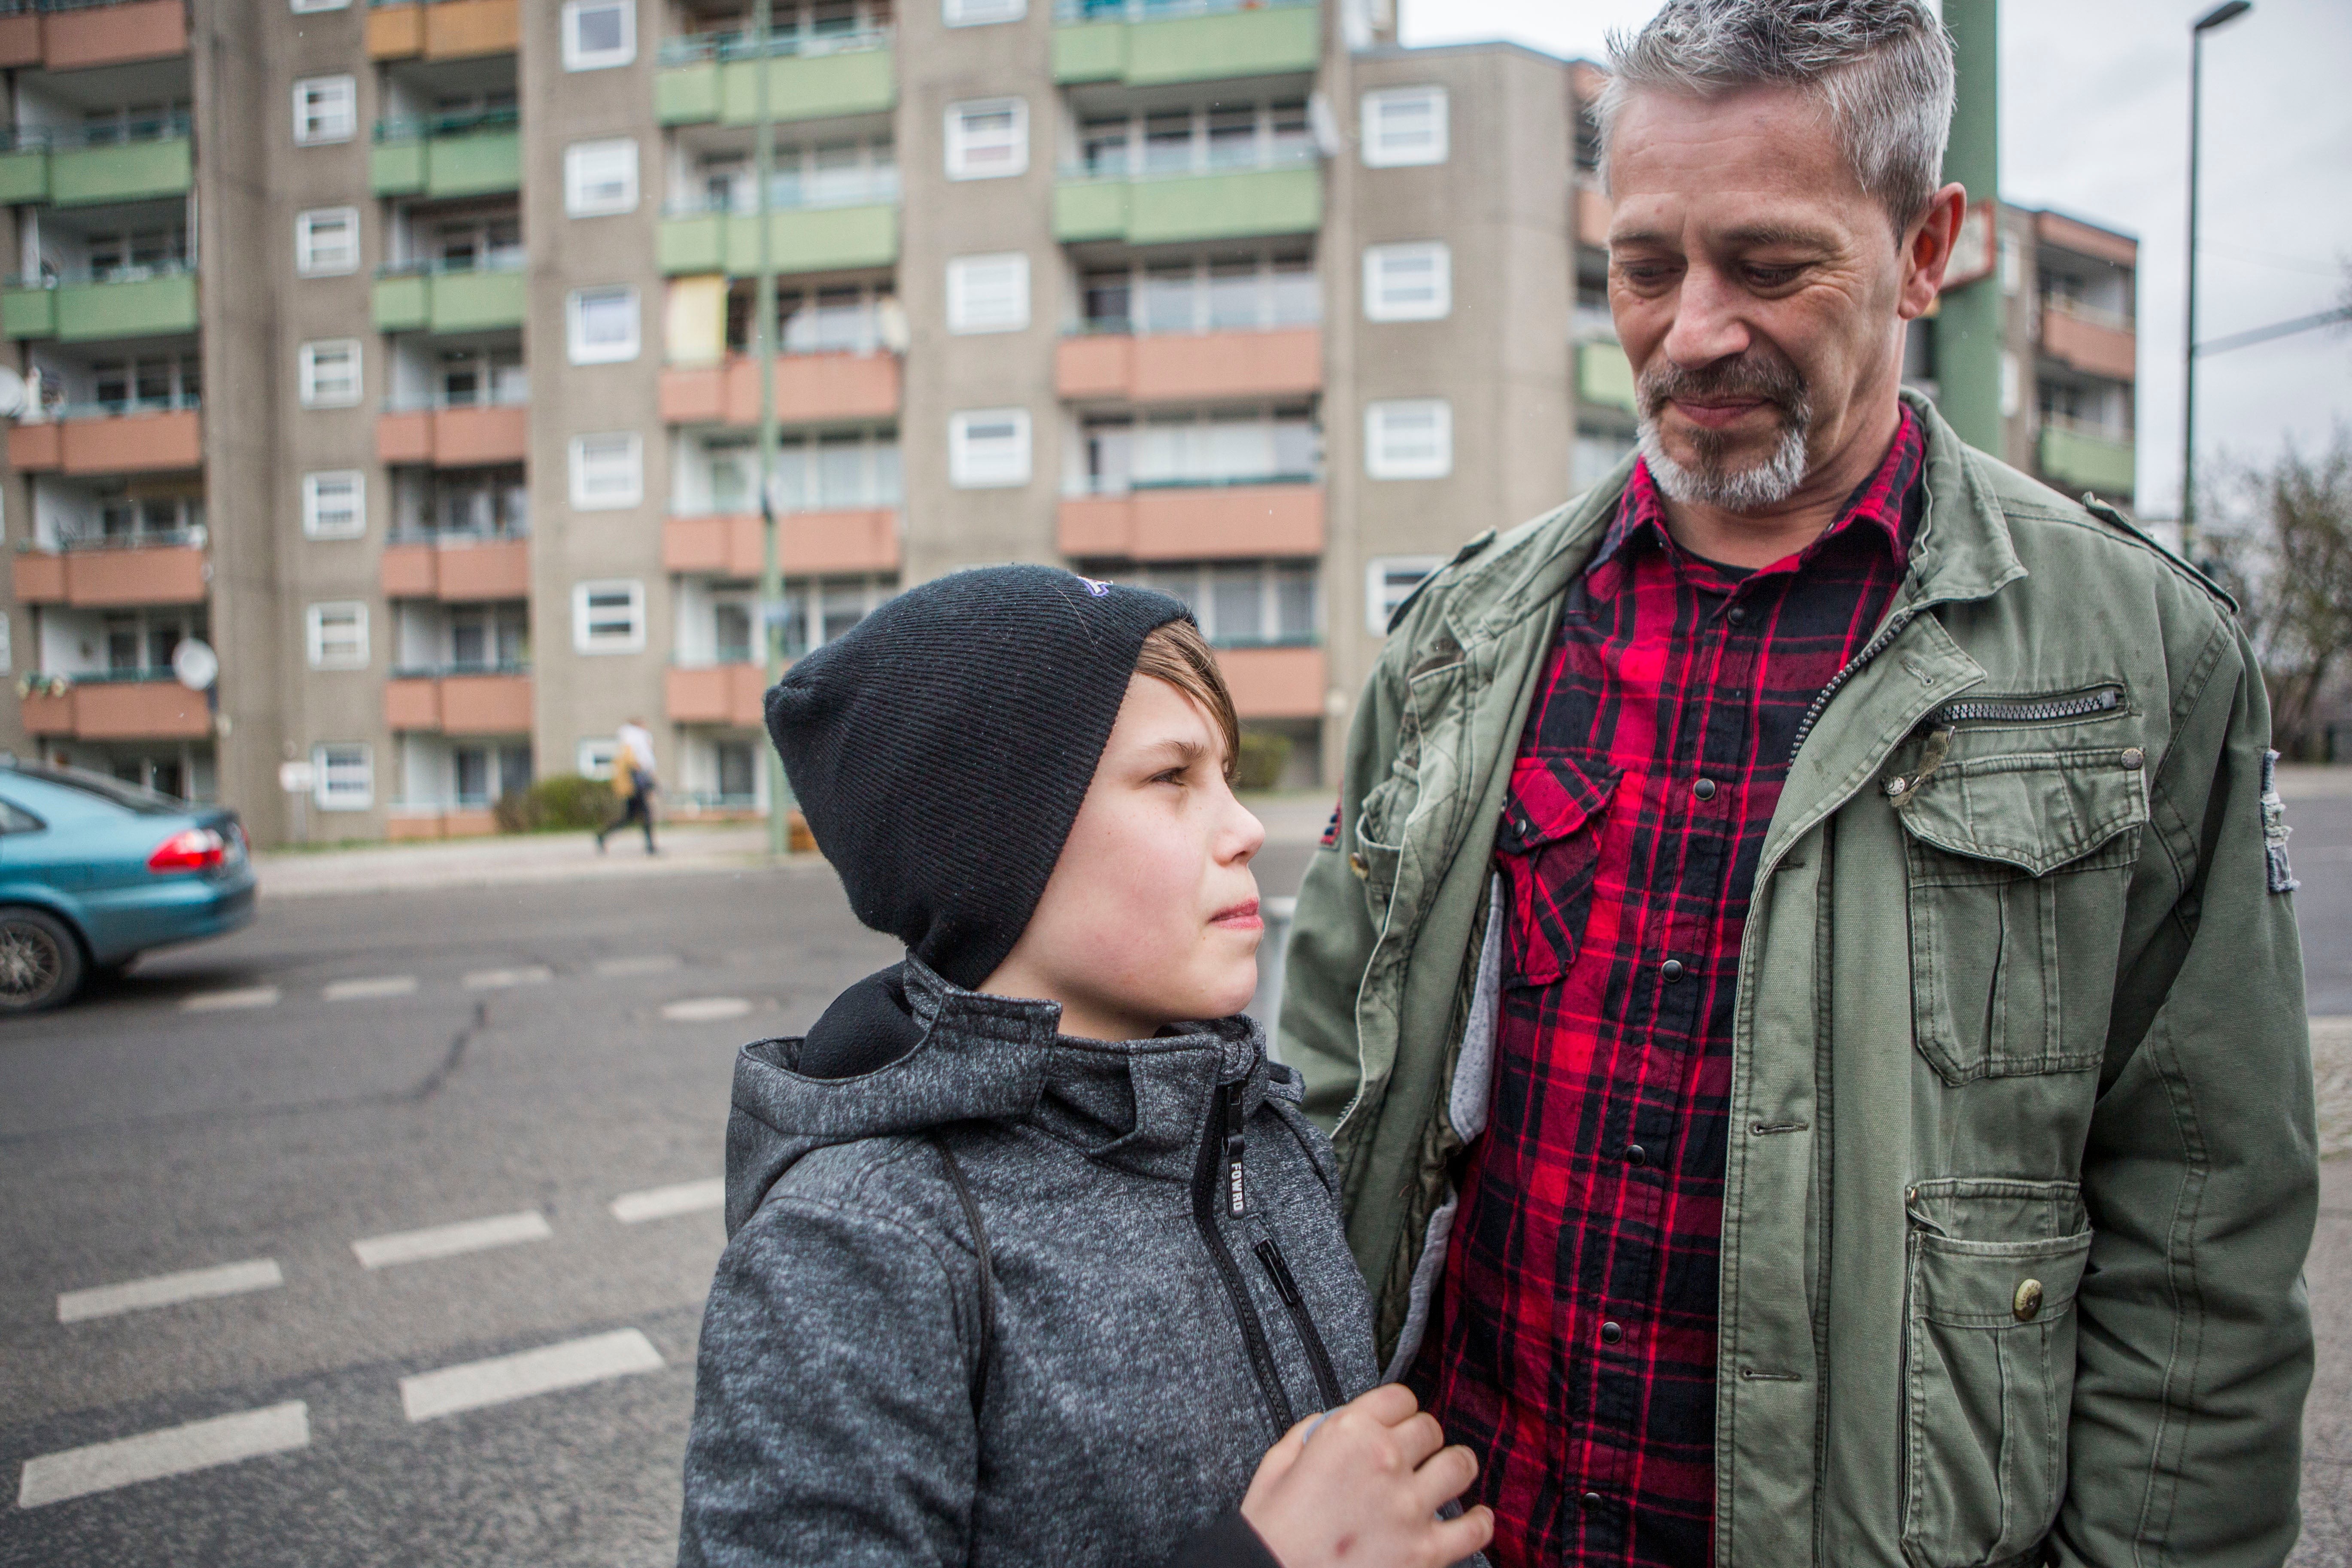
403, 353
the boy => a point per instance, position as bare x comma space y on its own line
1025, 1267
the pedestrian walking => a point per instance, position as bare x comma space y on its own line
1032, 1257
634, 781
1803, 973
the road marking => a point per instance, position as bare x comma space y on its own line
663, 1203
169, 1289
174, 1451
449, 1240
651, 964
573, 1364
499, 979
372, 985
244, 996
704, 1009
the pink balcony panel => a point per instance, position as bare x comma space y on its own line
716, 694
808, 387
404, 438
20, 40
108, 35
455, 438
484, 704
40, 577
1189, 367
413, 704
2091, 346
2087, 239
1274, 682
462, 570
35, 448
456, 823
408, 572
1242, 522
810, 543
122, 710
116, 444
110, 579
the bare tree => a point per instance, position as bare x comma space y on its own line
2290, 566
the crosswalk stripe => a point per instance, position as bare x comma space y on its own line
704, 1009
499, 979
662, 1203
449, 1240
647, 964
174, 1451
243, 997
169, 1289
472, 1384
370, 986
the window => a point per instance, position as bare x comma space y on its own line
1409, 439
988, 139
608, 617
1229, 135
326, 241
837, 470
343, 776
326, 109
988, 448
603, 324
338, 635
988, 293
1388, 580
300, 6
330, 373
334, 504
1168, 451
595, 756
1404, 125
973, 13
1225, 293
600, 177
1244, 603
598, 34
7, 658
1408, 282
607, 471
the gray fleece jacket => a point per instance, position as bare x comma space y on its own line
1148, 1342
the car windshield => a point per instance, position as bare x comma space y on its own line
129, 796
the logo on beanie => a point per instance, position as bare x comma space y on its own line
1098, 589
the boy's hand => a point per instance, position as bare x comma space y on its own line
1366, 1492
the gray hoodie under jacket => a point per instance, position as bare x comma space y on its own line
1171, 1290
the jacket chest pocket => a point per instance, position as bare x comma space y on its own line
1548, 851
2017, 865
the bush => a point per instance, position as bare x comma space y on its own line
566, 801
1264, 756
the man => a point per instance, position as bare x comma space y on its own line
633, 781
1802, 978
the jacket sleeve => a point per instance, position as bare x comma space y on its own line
832, 1418
2200, 1175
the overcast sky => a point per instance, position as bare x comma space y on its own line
2094, 117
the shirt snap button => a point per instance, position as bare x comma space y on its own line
1591, 1499
1703, 789
2027, 1304
1635, 1154
1672, 969
1611, 1333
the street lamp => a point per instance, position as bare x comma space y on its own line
2218, 17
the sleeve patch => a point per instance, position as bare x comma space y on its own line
2275, 828
1331, 830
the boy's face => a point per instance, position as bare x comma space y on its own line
1151, 913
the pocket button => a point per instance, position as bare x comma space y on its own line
2134, 759
2026, 1305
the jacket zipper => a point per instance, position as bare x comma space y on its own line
1326, 1382
1218, 1173
1871, 649
2029, 710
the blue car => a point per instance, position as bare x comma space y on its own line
94, 872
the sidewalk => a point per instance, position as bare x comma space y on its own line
2307, 781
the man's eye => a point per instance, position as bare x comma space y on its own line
1773, 277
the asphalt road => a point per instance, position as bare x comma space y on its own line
378, 1069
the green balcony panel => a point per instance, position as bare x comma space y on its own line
862, 81
473, 164
819, 239
24, 176
2072, 459
149, 308
29, 312
1201, 206
132, 171
686, 95
696, 244
397, 168
1090, 209
1604, 375
1270, 42
402, 304
476, 301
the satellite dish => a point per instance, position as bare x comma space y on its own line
195, 663
12, 393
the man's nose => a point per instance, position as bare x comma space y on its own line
1708, 324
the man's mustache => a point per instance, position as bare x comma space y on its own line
1768, 378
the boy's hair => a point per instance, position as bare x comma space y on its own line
1178, 654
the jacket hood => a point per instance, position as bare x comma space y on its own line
905, 1050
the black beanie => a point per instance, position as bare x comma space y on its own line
940, 749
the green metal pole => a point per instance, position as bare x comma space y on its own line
1969, 319
764, 328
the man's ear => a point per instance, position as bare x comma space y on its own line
1927, 250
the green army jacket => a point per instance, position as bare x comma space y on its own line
2022, 1169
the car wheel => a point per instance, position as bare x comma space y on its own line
40, 960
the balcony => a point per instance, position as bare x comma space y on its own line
456, 569
66, 167
2075, 456
443, 29
448, 156
1202, 41
459, 701
709, 78
105, 574
136, 302
810, 543
109, 438
2092, 342
65, 36
460, 438
407, 822
1605, 376
1190, 368
1282, 198
716, 694
808, 386
1195, 522
800, 239
1274, 682
430, 297
128, 705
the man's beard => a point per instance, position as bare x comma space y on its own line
1706, 481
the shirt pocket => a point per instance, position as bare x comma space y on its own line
1548, 851
1988, 1366
2018, 865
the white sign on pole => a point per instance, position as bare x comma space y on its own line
297, 778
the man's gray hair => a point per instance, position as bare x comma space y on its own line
1883, 69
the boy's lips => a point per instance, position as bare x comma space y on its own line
1240, 917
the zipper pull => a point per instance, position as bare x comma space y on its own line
1231, 1094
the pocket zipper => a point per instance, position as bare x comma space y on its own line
2029, 709
1327, 1381
1218, 1165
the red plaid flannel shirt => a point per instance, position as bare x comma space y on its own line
1572, 1342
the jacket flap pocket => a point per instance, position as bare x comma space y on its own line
2032, 810
1550, 798
1996, 1254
